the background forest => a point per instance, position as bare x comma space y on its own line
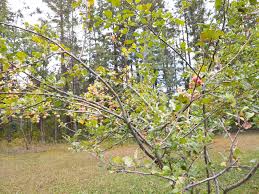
166, 77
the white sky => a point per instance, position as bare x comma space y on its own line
15, 5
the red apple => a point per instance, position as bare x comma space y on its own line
197, 80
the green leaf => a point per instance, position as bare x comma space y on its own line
218, 4
3, 47
183, 45
101, 70
224, 164
230, 98
125, 51
139, 55
140, 7
210, 34
75, 4
124, 30
6, 66
115, 3
183, 99
183, 141
253, 2
206, 100
21, 56
117, 160
128, 41
237, 152
249, 115
147, 7
166, 170
179, 22
108, 13
36, 39
36, 54
90, 3
143, 21
53, 47
185, 4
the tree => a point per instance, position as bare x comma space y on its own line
4, 10
171, 130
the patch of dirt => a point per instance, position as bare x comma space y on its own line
245, 141
124, 150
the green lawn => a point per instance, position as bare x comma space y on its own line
54, 169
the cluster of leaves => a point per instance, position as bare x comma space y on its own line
172, 131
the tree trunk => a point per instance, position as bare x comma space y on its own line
31, 132
23, 133
42, 132
55, 130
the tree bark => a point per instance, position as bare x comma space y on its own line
55, 130
242, 181
23, 133
42, 132
205, 149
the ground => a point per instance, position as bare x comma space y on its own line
55, 169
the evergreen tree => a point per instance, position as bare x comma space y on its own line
4, 11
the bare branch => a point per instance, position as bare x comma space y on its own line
146, 174
210, 178
242, 181
83, 103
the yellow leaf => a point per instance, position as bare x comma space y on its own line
90, 3
223, 164
81, 121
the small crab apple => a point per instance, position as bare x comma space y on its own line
197, 80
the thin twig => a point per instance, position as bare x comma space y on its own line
210, 178
242, 181
146, 174
236, 55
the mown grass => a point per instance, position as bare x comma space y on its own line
54, 169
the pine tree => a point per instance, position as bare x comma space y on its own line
4, 11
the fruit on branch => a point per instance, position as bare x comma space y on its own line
197, 80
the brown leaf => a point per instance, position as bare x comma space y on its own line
247, 125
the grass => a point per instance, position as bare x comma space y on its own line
54, 169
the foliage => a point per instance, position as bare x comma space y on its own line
126, 100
